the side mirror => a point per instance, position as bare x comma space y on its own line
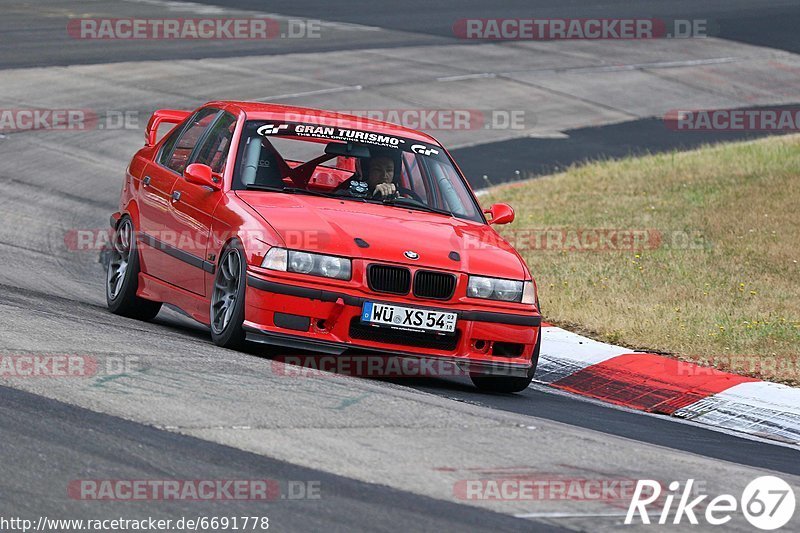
500, 214
201, 174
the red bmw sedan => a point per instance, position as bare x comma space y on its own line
324, 232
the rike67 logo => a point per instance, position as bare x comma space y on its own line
767, 503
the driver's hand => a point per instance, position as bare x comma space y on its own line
385, 189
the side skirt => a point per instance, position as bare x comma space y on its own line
195, 306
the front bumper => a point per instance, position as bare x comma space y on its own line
322, 320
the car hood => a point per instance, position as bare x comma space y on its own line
332, 226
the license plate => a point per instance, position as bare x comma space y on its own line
399, 317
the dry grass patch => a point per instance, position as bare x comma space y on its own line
723, 284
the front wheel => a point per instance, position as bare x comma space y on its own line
122, 276
227, 298
509, 383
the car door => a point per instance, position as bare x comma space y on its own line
154, 188
156, 237
192, 206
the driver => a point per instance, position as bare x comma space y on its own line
376, 178
380, 177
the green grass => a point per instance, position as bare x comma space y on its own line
724, 281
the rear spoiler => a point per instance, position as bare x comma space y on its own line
170, 116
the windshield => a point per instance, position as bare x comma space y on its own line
351, 165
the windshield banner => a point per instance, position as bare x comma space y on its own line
336, 133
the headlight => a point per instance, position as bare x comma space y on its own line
506, 290
301, 262
276, 259
328, 266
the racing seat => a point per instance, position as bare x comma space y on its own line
260, 166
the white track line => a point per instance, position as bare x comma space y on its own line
568, 515
343, 88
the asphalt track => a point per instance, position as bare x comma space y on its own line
759, 22
33, 36
493, 163
51, 435
387, 454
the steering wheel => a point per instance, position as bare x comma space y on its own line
412, 194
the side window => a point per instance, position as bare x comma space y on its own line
169, 144
453, 192
214, 151
183, 149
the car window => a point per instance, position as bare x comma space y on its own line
214, 151
169, 144
184, 147
456, 199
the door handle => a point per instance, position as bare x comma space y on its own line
146, 181
176, 196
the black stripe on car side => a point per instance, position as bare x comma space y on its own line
177, 253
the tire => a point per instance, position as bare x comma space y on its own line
122, 276
227, 298
507, 384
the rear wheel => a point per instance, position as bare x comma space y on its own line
122, 276
227, 298
489, 383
